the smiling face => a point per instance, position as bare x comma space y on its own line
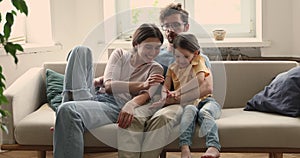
184, 57
149, 49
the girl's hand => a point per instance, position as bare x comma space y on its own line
174, 94
152, 80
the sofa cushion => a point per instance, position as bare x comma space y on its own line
281, 96
34, 129
239, 129
54, 85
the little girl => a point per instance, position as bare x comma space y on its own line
186, 74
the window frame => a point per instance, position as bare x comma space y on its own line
250, 27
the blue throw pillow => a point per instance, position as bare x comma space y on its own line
281, 96
54, 88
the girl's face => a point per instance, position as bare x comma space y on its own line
184, 57
149, 49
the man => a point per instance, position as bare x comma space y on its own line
150, 130
175, 20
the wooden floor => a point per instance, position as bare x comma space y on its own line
32, 154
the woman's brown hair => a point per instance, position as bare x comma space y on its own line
146, 31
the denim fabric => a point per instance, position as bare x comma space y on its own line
73, 118
87, 111
206, 113
79, 75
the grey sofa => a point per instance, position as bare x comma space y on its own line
235, 82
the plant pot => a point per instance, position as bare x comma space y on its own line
219, 35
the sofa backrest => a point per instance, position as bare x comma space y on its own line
235, 82
60, 67
244, 79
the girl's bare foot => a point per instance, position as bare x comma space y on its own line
185, 152
211, 152
52, 129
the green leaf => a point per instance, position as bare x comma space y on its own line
3, 100
9, 18
4, 128
24, 7
19, 47
0, 17
1, 38
14, 13
2, 85
1, 89
8, 24
7, 30
21, 6
2, 76
4, 113
11, 49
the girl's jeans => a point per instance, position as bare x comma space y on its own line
87, 111
206, 113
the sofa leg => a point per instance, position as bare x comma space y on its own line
163, 154
41, 154
275, 155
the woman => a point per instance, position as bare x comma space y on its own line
128, 79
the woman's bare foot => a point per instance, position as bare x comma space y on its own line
211, 152
185, 152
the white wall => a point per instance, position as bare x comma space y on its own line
277, 27
73, 19
296, 26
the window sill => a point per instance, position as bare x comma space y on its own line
207, 43
235, 42
33, 48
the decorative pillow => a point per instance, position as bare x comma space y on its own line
54, 88
281, 96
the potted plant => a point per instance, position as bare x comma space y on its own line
10, 48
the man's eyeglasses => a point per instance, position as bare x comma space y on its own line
174, 25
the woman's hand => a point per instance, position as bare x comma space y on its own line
152, 80
161, 102
126, 114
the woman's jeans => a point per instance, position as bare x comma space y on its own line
206, 113
87, 111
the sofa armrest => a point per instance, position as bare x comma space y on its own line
24, 96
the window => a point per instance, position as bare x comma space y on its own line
35, 28
138, 11
239, 18
18, 33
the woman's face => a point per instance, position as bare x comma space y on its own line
149, 49
183, 57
